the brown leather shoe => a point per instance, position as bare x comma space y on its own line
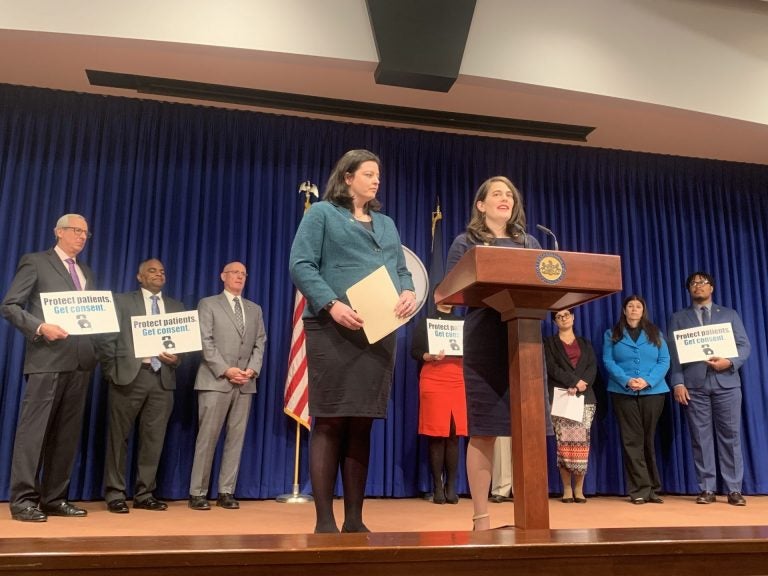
227, 501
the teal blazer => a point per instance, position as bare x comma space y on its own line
332, 251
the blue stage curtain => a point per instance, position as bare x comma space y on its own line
198, 187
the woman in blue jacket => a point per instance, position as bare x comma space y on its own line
340, 241
636, 357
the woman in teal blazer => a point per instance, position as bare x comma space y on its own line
340, 241
637, 359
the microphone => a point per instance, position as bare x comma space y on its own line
550, 233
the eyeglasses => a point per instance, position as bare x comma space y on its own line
78, 231
236, 273
698, 283
563, 316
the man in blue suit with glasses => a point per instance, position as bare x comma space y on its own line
710, 393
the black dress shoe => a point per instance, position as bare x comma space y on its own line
736, 499
655, 499
499, 499
351, 529
118, 507
580, 500
637, 501
568, 500
227, 502
198, 503
150, 504
29, 514
706, 497
65, 509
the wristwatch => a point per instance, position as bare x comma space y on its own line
330, 304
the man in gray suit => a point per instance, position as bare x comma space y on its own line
57, 367
233, 338
140, 388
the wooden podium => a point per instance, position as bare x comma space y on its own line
522, 285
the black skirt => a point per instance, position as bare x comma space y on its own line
347, 375
486, 375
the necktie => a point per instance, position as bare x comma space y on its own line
238, 314
155, 361
73, 272
704, 315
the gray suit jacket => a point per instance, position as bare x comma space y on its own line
224, 346
118, 357
45, 272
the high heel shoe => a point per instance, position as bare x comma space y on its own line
477, 517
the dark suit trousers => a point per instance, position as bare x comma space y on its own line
637, 416
145, 399
47, 436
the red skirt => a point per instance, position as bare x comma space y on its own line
441, 394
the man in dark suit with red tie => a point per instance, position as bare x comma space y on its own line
57, 367
140, 392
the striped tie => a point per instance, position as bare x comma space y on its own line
238, 314
155, 361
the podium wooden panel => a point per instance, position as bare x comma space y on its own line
522, 285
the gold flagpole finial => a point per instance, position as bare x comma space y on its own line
437, 215
308, 189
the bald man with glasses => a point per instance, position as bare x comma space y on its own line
233, 338
57, 367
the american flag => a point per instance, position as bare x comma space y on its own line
296, 393
296, 402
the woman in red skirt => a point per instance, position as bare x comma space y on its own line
442, 408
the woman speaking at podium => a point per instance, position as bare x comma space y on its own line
498, 219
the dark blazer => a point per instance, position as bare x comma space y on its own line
45, 272
560, 372
694, 374
119, 358
331, 252
225, 346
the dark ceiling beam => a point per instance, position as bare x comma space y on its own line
420, 42
337, 107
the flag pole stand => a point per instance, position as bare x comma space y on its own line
295, 497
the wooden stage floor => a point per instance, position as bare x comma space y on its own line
605, 536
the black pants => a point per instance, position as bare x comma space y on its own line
47, 437
638, 416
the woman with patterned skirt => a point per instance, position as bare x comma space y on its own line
572, 365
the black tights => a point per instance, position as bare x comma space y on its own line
444, 453
345, 442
